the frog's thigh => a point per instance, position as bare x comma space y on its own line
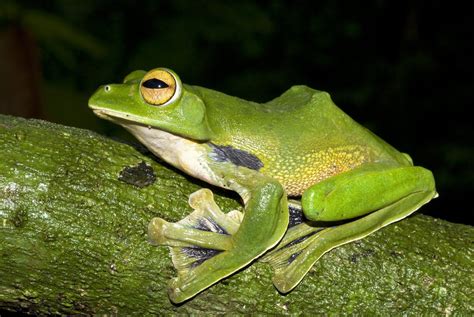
363, 190
293, 260
209, 245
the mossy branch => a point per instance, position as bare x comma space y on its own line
74, 207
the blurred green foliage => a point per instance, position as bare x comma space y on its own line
404, 70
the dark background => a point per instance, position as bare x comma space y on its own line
403, 70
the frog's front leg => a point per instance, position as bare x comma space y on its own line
387, 194
209, 245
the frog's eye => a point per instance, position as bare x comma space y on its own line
159, 87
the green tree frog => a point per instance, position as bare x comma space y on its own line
297, 152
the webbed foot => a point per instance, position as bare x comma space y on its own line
209, 245
290, 253
196, 239
204, 233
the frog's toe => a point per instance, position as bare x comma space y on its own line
287, 257
203, 234
209, 217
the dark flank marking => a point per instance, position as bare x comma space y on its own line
210, 225
141, 175
224, 153
154, 84
296, 216
200, 254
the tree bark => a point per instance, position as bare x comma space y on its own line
74, 208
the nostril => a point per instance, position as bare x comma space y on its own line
107, 88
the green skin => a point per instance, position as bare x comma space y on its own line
299, 143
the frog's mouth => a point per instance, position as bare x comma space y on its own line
101, 114
117, 117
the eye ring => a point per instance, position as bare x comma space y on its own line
160, 87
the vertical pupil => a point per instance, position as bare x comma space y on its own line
154, 83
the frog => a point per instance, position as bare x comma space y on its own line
310, 178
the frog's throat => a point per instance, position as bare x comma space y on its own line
189, 156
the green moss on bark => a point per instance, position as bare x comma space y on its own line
73, 241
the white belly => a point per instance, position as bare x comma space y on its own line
189, 156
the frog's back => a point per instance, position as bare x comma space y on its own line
301, 137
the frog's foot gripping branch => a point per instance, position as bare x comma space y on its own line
209, 245
196, 239
285, 258
201, 235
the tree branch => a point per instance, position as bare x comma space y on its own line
74, 207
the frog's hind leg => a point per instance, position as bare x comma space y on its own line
304, 244
200, 236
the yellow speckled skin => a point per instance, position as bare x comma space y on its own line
309, 168
301, 137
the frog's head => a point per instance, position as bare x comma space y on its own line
157, 99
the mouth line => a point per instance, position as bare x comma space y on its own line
116, 116
100, 113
